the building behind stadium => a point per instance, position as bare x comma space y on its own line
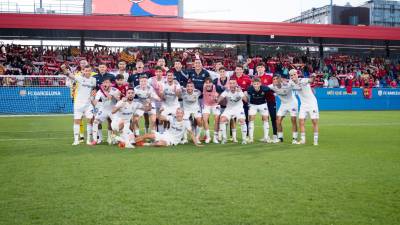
373, 13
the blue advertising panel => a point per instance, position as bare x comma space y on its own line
339, 99
40, 100
31, 100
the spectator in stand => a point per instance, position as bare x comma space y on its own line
333, 82
2, 69
185, 60
393, 84
383, 82
47, 60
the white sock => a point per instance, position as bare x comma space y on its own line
251, 130
128, 136
160, 128
295, 134
185, 135
89, 130
208, 133
222, 129
198, 130
109, 133
95, 131
234, 135
244, 131
137, 133
316, 137
216, 134
76, 132
303, 136
266, 129
280, 134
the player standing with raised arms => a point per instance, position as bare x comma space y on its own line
309, 104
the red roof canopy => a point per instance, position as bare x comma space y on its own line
178, 25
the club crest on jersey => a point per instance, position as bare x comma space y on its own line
22, 93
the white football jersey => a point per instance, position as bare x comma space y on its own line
127, 110
304, 91
156, 84
145, 94
177, 129
190, 101
107, 104
170, 97
285, 93
215, 75
233, 99
84, 89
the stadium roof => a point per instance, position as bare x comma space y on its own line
100, 27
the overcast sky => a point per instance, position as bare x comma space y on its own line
246, 10
254, 10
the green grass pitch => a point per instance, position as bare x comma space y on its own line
352, 177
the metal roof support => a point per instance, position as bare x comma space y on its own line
82, 41
248, 46
321, 53
387, 49
169, 49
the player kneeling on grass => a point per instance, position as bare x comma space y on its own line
309, 104
82, 104
190, 100
258, 104
173, 135
105, 100
289, 105
234, 109
122, 114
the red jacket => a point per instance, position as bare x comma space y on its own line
243, 81
266, 79
123, 89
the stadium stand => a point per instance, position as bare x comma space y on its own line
337, 70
